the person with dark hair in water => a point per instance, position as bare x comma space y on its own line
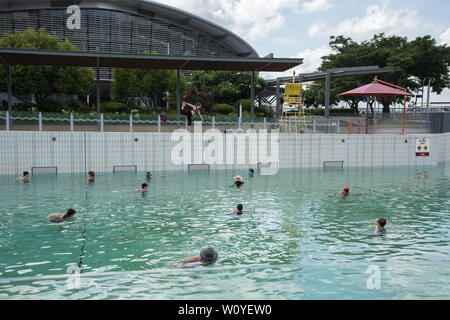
251, 172
144, 188
380, 227
190, 110
238, 211
91, 176
207, 256
60, 217
25, 176
148, 175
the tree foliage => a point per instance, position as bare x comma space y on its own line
412, 62
226, 86
44, 80
147, 83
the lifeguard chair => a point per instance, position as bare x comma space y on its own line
293, 113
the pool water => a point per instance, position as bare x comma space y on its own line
294, 242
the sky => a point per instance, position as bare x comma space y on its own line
301, 28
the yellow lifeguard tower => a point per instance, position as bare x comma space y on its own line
293, 114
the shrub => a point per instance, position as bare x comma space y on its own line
222, 108
76, 106
48, 105
114, 107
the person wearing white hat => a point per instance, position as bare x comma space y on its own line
238, 181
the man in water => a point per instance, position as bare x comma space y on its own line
238, 211
149, 175
144, 188
344, 193
380, 228
207, 256
25, 176
61, 217
91, 176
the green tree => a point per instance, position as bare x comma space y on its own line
147, 83
226, 86
44, 80
412, 61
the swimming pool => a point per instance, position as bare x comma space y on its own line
295, 242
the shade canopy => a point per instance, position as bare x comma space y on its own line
375, 89
145, 61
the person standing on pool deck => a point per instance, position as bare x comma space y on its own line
380, 228
207, 256
344, 193
60, 217
91, 176
25, 176
188, 112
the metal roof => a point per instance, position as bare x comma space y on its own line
145, 8
116, 60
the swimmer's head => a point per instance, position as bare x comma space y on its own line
251, 171
149, 174
91, 173
26, 173
208, 256
382, 222
144, 186
240, 207
69, 213
346, 188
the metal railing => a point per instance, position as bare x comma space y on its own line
380, 124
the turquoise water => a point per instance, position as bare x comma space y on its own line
294, 242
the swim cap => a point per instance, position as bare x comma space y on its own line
346, 188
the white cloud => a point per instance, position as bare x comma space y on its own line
251, 19
377, 19
311, 62
316, 5
445, 37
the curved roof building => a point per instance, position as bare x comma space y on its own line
126, 26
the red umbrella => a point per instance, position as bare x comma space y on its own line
375, 89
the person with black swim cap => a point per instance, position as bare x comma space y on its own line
238, 211
207, 256
60, 217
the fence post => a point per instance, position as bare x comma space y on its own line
239, 122
7, 120
350, 127
338, 125
213, 122
289, 128
265, 123
71, 122
314, 125
101, 122
159, 123
376, 120
40, 121
359, 130
131, 122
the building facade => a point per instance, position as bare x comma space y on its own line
125, 26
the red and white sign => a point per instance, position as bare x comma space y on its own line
422, 147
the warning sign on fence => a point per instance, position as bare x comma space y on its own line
422, 147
